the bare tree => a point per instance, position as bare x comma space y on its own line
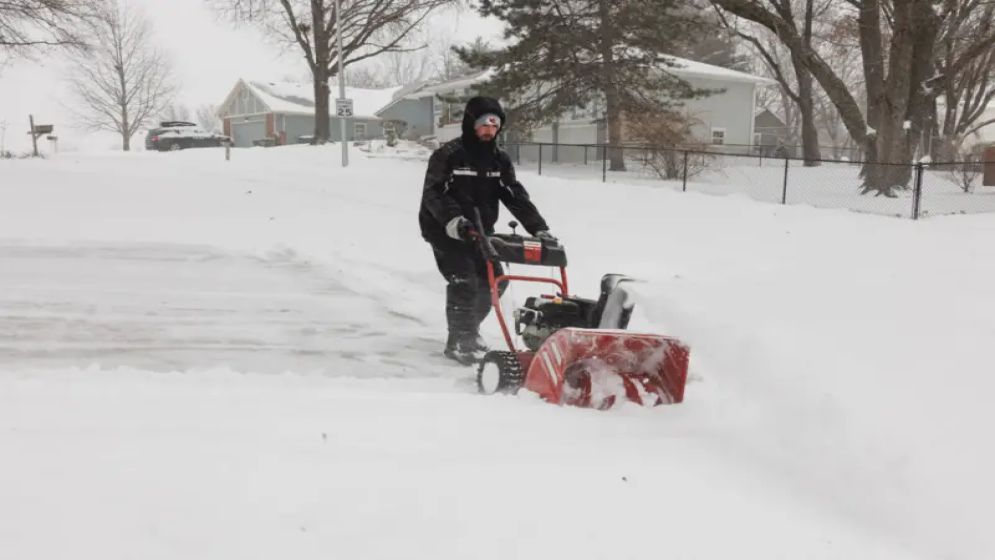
367, 76
32, 24
897, 41
839, 45
121, 80
447, 63
369, 28
794, 79
207, 117
175, 112
967, 93
406, 67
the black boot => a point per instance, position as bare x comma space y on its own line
462, 347
477, 343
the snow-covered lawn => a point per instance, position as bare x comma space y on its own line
210, 359
831, 185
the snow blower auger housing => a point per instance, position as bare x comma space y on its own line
577, 351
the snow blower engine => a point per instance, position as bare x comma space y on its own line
577, 350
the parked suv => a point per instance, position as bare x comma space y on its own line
177, 135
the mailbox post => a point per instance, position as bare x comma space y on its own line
36, 131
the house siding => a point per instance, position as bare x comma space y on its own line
417, 113
303, 125
731, 110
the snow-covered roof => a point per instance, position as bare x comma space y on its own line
298, 97
686, 67
423, 89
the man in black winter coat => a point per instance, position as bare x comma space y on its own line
468, 173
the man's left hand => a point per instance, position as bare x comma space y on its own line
544, 234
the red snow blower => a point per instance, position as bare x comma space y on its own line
578, 351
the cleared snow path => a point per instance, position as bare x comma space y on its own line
166, 307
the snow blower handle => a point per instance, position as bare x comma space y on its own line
482, 239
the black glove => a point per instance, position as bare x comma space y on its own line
544, 234
461, 229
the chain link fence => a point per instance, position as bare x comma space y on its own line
926, 189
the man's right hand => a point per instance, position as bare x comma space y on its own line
461, 229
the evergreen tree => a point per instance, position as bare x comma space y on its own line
568, 54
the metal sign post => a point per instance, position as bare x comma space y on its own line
342, 118
36, 131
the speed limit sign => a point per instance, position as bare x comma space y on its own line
343, 107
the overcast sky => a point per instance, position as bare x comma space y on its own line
209, 56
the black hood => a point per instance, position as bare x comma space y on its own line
474, 109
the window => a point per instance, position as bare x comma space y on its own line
359, 131
718, 136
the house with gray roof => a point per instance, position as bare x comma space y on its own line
278, 113
724, 118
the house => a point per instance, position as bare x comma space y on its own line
769, 132
423, 113
723, 118
257, 112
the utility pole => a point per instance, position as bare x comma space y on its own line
342, 118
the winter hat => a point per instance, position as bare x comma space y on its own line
476, 108
488, 119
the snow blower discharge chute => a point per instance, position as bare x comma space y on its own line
577, 350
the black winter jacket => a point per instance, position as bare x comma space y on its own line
461, 177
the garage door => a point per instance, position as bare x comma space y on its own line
243, 133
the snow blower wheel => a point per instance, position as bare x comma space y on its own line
499, 372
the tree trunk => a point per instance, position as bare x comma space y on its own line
125, 124
806, 107
322, 122
321, 73
616, 156
806, 102
613, 107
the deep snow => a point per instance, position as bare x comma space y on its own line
207, 359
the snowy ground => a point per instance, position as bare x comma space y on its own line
210, 359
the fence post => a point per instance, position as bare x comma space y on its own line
917, 193
518, 154
585, 154
540, 158
784, 191
604, 163
685, 174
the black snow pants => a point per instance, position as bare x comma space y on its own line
468, 296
